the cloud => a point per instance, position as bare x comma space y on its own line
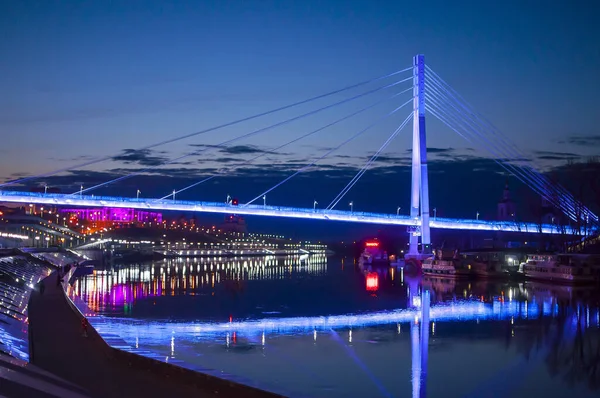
436, 150
242, 150
582, 140
225, 160
236, 149
73, 159
393, 159
142, 157
546, 155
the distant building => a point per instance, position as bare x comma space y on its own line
234, 223
114, 215
506, 206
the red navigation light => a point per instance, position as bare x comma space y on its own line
235, 202
372, 244
372, 282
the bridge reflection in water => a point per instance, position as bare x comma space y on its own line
553, 323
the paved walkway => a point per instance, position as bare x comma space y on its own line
56, 345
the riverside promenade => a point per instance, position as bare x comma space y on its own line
57, 346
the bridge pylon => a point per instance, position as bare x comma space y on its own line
419, 234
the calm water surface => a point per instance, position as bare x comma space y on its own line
322, 327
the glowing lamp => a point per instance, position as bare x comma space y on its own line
372, 244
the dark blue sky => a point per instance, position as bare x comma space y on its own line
83, 79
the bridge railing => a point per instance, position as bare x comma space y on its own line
93, 200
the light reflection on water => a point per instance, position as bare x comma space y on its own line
321, 327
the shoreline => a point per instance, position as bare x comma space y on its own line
104, 371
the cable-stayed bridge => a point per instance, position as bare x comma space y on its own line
269, 211
430, 93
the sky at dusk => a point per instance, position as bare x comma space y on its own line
87, 79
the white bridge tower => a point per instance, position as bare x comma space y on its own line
419, 199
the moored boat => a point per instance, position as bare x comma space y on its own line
445, 263
489, 264
568, 268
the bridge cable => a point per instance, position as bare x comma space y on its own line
210, 129
270, 151
329, 152
484, 123
444, 116
232, 140
520, 174
545, 185
557, 188
452, 124
475, 132
364, 169
544, 188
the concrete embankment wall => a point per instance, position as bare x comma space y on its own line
159, 369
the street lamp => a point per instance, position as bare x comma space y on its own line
265, 200
315, 203
228, 201
174, 192
477, 216
137, 196
398, 210
45, 189
351, 206
434, 213
81, 192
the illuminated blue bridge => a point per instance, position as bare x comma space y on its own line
429, 93
270, 211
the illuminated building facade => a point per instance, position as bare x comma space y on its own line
114, 215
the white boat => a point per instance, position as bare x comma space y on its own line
570, 268
444, 264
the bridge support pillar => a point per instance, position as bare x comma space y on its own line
419, 206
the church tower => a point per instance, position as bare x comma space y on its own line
506, 207
548, 212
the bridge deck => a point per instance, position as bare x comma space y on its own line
271, 211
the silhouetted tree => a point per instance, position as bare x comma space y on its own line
574, 357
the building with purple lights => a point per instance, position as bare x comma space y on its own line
114, 214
